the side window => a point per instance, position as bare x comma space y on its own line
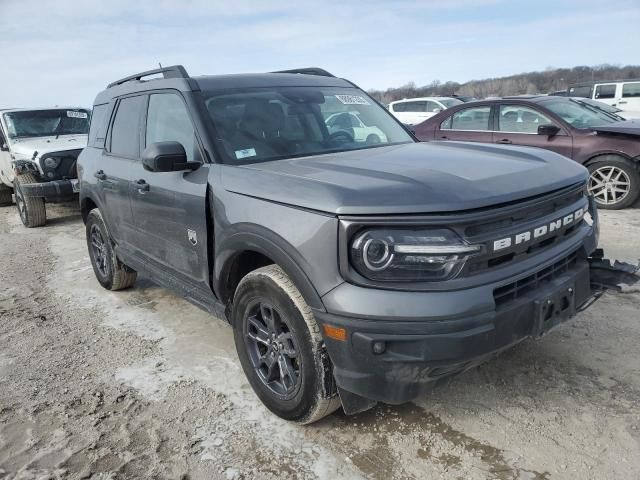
474, 118
446, 125
96, 130
125, 134
605, 91
399, 107
630, 90
168, 121
519, 119
584, 92
433, 107
415, 106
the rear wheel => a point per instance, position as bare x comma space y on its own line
280, 347
5, 195
32, 210
614, 182
110, 272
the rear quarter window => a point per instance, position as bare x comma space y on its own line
98, 126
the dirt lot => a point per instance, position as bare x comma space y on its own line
141, 384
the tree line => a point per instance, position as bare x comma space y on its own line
547, 81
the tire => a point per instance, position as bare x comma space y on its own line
110, 272
5, 195
32, 210
373, 139
310, 392
614, 182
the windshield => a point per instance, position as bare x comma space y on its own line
43, 123
450, 102
579, 115
261, 124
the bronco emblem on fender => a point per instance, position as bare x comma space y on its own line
192, 236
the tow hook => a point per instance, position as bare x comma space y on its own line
606, 275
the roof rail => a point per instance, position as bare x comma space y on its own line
307, 71
174, 71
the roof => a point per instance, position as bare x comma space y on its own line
61, 107
422, 99
599, 82
176, 77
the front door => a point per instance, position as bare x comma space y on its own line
518, 125
170, 208
470, 124
606, 93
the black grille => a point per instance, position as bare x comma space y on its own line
517, 289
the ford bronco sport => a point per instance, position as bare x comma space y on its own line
352, 271
38, 154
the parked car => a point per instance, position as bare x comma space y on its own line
623, 94
38, 153
351, 271
464, 98
415, 110
606, 145
558, 93
351, 122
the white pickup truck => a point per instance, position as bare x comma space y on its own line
38, 153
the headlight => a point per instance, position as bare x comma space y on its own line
409, 255
51, 163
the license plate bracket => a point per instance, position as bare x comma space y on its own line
554, 307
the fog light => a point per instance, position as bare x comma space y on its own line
379, 347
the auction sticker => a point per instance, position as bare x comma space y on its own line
247, 152
72, 114
352, 100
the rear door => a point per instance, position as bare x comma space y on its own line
114, 171
470, 124
170, 208
518, 125
629, 102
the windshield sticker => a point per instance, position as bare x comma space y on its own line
72, 114
246, 153
352, 100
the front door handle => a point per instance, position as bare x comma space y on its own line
505, 141
100, 175
444, 137
142, 185
622, 102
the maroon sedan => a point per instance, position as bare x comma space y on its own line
604, 143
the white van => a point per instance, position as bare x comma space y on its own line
412, 111
624, 95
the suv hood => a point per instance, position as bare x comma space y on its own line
411, 178
25, 147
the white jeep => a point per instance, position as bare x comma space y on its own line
38, 153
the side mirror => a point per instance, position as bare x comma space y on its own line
4, 147
166, 157
436, 110
548, 130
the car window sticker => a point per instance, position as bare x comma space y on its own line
352, 100
245, 153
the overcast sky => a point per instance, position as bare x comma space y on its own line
65, 51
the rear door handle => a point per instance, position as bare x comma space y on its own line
505, 141
142, 185
100, 175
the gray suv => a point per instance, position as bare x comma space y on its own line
353, 268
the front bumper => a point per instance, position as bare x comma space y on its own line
56, 191
408, 341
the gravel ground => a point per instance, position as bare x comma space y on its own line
141, 384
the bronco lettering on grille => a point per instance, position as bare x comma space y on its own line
529, 235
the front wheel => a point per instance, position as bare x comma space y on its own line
32, 210
110, 272
281, 349
614, 182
